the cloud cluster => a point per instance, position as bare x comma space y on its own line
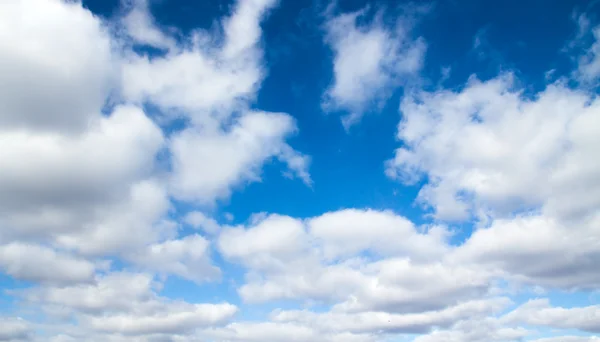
82, 184
91, 186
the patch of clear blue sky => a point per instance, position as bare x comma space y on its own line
521, 36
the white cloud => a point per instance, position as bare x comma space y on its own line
54, 77
126, 303
368, 61
203, 80
188, 257
523, 166
321, 259
488, 149
40, 264
197, 219
537, 250
377, 326
347, 232
78, 185
279, 332
52, 174
15, 330
206, 164
568, 339
539, 312
174, 319
382, 322
476, 330
115, 292
140, 26
140, 212
69, 173
212, 84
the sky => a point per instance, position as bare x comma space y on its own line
299, 170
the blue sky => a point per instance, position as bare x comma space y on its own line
263, 170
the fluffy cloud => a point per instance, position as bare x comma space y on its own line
40, 264
70, 174
15, 330
539, 312
383, 322
188, 257
197, 219
80, 187
488, 149
204, 79
348, 232
322, 259
537, 250
140, 26
206, 164
568, 339
125, 303
279, 332
211, 85
369, 60
475, 330
54, 77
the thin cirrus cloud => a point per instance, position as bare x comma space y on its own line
104, 241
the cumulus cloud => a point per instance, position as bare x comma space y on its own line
568, 339
81, 182
378, 322
204, 78
188, 257
211, 84
84, 203
476, 330
40, 264
54, 78
15, 330
127, 303
279, 332
539, 312
69, 171
206, 164
488, 149
321, 259
368, 61
198, 220
537, 250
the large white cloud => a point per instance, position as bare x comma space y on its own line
537, 250
207, 163
326, 259
488, 149
53, 77
71, 176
